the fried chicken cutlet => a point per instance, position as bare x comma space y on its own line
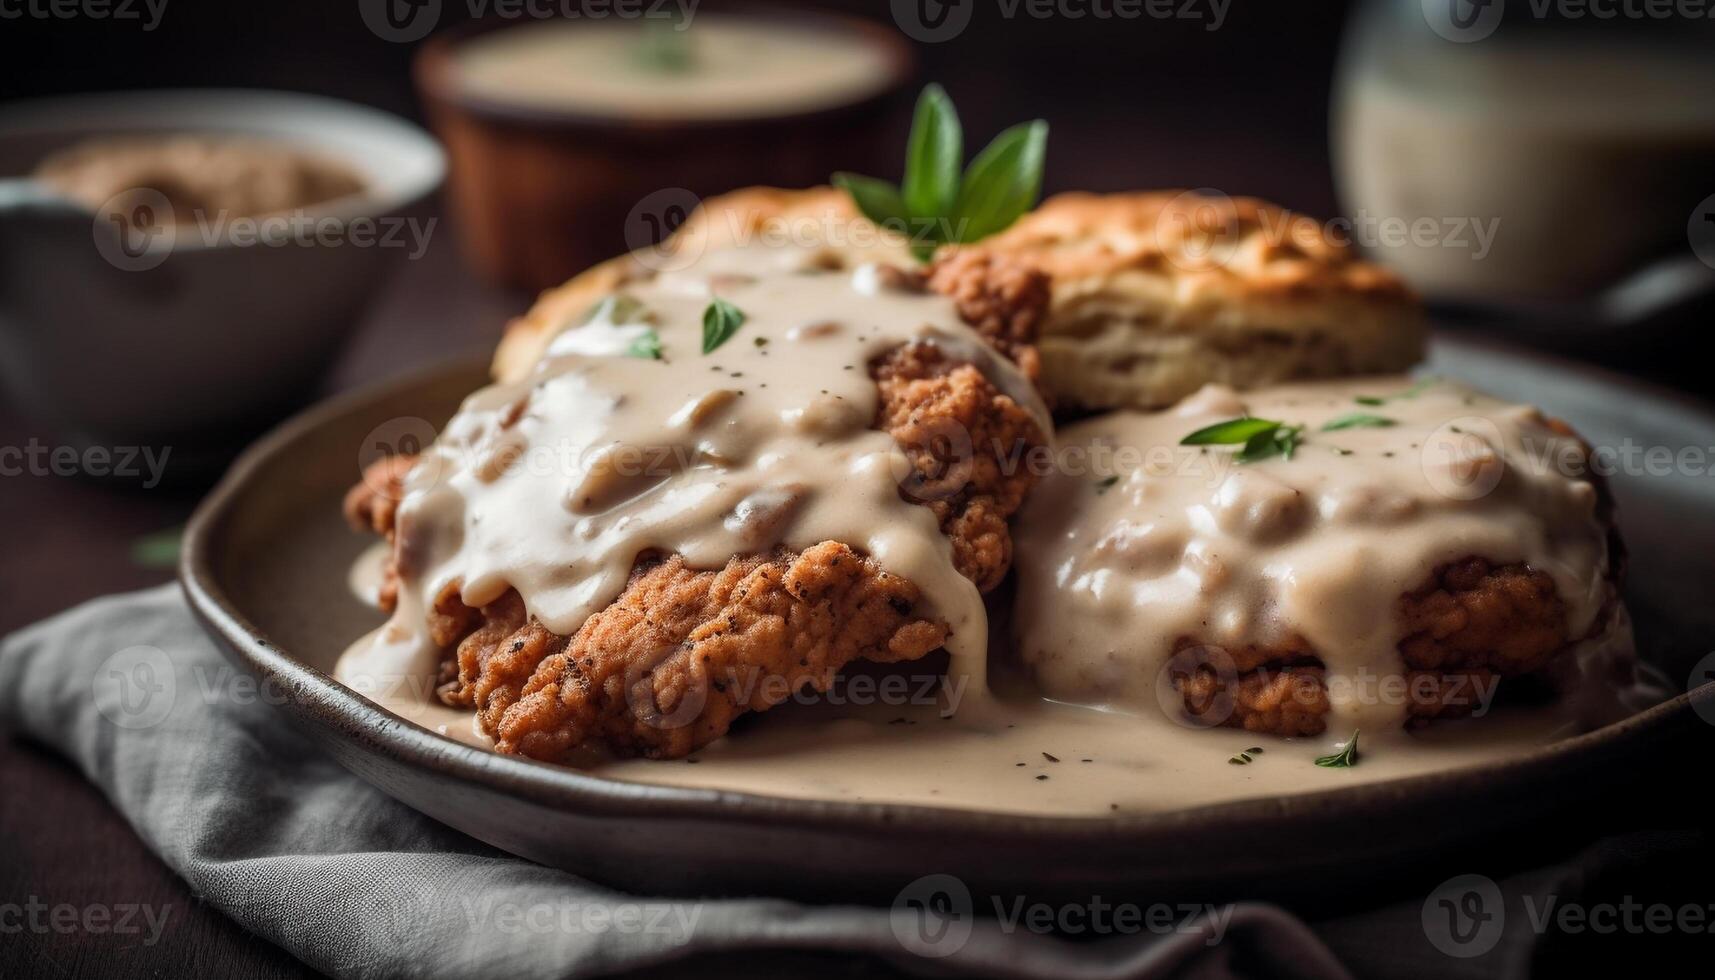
682, 651
1407, 551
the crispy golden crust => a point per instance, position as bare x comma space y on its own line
1471, 625
1159, 293
1003, 299
669, 665
1246, 247
681, 653
1293, 701
948, 418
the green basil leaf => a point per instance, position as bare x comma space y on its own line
1002, 183
933, 156
876, 199
720, 321
1358, 420
1232, 432
647, 347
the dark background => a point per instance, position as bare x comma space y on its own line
1133, 104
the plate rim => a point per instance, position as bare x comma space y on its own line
336, 706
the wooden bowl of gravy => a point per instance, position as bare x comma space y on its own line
573, 140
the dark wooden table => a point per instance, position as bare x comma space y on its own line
71, 540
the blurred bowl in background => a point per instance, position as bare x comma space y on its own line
117, 325
1524, 160
572, 141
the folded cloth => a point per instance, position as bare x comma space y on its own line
356, 884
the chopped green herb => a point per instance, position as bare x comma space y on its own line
937, 205
1358, 420
647, 346
616, 309
760, 341
1105, 484
1260, 438
1242, 759
1281, 441
1346, 758
1232, 432
1411, 392
720, 321
1049, 757
158, 550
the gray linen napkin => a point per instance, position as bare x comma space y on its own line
355, 884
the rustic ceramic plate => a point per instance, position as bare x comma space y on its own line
265, 567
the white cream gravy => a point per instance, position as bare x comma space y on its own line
1137, 541
554, 485
491, 517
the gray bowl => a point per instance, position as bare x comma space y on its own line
117, 338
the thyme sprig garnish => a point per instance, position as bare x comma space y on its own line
1358, 420
1346, 758
1411, 392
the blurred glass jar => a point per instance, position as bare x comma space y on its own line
1524, 151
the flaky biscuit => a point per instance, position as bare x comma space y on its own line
1159, 293
1154, 293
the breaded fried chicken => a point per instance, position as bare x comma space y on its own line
1473, 625
682, 652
